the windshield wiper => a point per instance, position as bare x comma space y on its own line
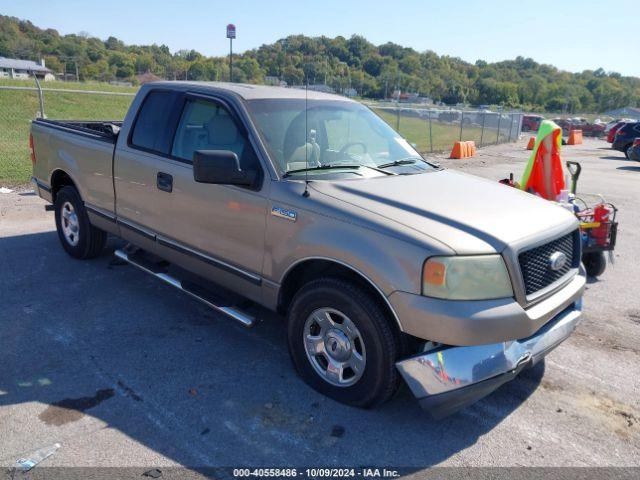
402, 161
327, 166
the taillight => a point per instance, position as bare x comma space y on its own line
33, 151
636, 142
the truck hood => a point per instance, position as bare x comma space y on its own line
470, 214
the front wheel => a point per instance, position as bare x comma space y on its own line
79, 238
342, 343
594, 263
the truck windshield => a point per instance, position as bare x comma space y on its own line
329, 134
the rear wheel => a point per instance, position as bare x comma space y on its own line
627, 151
78, 237
342, 343
594, 263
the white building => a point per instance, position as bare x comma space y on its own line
24, 69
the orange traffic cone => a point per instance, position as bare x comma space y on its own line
575, 137
457, 151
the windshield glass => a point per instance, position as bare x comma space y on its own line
332, 134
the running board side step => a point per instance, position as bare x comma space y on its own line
189, 288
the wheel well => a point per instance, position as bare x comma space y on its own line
59, 179
310, 270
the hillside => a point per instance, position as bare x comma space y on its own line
374, 71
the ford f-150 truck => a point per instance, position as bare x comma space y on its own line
386, 266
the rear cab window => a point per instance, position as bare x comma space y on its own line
156, 121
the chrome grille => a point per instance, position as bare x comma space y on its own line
535, 263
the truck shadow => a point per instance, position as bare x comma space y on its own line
621, 158
629, 168
99, 346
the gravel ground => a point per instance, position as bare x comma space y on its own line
121, 370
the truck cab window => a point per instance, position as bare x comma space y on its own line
155, 122
206, 125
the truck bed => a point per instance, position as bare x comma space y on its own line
83, 150
104, 129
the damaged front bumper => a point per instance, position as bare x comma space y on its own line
449, 378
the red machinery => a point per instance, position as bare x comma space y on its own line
598, 226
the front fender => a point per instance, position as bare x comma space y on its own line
387, 258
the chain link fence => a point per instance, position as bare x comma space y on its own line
21, 104
436, 130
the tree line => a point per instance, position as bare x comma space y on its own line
372, 71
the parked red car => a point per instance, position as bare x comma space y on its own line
613, 130
564, 124
588, 129
531, 123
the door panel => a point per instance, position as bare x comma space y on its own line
223, 222
226, 223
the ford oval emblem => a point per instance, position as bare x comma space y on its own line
557, 260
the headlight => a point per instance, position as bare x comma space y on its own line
478, 277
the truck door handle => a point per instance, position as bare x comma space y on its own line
164, 182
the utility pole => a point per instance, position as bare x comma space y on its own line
326, 67
231, 34
346, 66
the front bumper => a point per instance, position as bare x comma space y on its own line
480, 322
450, 378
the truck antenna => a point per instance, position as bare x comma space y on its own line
306, 140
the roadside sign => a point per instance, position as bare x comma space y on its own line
231, 31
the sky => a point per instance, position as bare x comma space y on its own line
572, 35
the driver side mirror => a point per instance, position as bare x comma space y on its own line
220, 167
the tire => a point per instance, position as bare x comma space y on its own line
594, 263
627, 151
78, 237
378, 342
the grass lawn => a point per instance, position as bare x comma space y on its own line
19, 107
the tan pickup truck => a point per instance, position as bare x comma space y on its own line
385, 266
